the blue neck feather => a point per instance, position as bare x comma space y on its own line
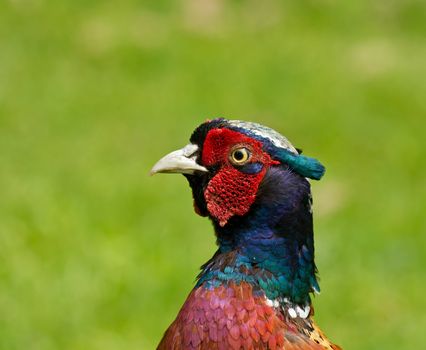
272, 246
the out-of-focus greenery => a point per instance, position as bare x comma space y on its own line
94, 254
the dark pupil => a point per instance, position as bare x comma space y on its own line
239, 155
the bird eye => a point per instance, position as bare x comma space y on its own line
240, 156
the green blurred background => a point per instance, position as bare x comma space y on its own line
94, 254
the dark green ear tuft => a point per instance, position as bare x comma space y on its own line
305, 166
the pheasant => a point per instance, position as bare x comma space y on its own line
254, 293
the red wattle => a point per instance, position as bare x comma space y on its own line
231, 192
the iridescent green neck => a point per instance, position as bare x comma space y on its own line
272, 246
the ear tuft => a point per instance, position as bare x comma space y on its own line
305, 166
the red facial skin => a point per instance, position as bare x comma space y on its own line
231, 192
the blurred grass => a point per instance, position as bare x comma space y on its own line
94, 254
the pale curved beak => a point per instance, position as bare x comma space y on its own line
182, 161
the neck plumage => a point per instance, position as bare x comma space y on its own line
272, 246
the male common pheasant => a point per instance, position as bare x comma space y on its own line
254, 293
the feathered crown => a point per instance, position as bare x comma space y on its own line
279, 148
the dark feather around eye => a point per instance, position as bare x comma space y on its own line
251, 168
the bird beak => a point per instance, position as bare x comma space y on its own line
182, 161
